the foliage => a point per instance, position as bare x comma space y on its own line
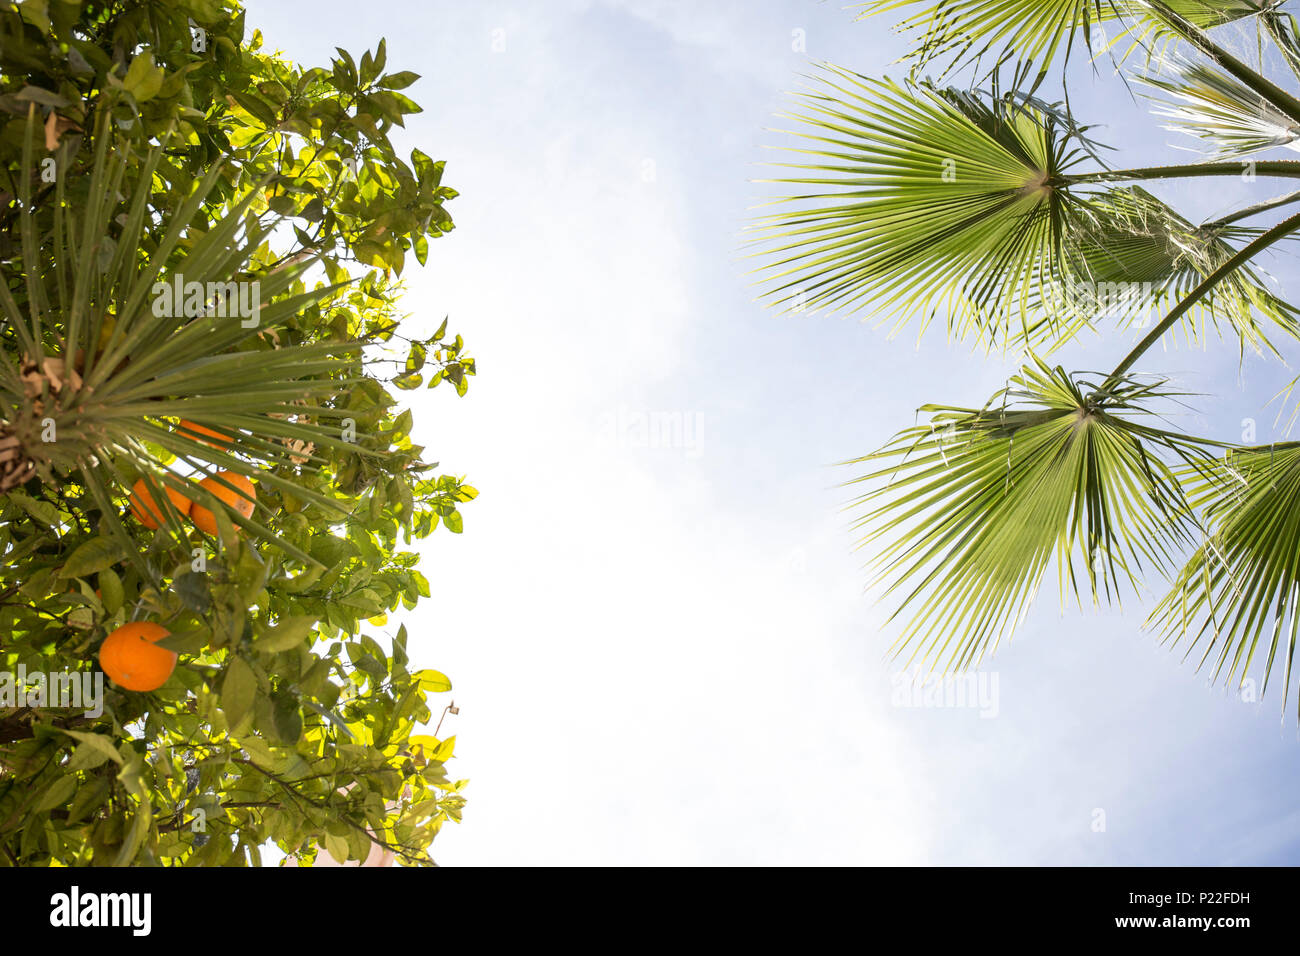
179, 148
979, 501
992, 207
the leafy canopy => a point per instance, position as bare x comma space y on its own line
994, 209
144, 142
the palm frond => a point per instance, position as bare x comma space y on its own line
1170, 22
923, 200
1133, 257
1148, 30
1239, 594
1204, 102
1284, 31
945, 202
1035, 32
109, 369
972, 506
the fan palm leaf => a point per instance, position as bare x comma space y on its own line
944, 202
1216, 107
1035, 32
938, 199
971, 507
1239, 594
1134, 257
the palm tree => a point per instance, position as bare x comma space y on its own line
104, 371
990, 207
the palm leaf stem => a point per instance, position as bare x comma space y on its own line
1253, 210
1285, 168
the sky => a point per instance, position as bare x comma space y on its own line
655, 618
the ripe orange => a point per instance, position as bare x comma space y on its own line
193, 430
131, 660
146, 510
204, 519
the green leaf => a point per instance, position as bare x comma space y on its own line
336, 846
287, 718
444, 750
110, 586
415, 358
143, 79
939, 200
59, 793
1136, 256
193, 590
87, 757
96, 742
1239, 593
398, 81
254, 104
431, 681
1030, 33
426, 170
187, 642
136, 834
329, 715
300, 582
282, 204
36, 12
258, 750
238, 693
288, 633
42, 97
93, 556
89, 797
41, 511
968, 510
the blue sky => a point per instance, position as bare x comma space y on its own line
663, 655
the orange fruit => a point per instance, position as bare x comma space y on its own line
146, 510
130, 658
204, 519
193, 430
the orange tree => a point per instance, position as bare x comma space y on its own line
201, 247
